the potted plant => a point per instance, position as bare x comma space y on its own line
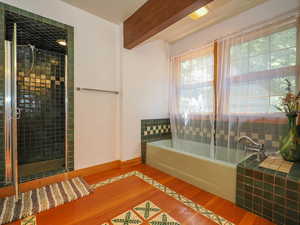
289, 144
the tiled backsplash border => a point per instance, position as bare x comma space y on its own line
154, 130
202, 130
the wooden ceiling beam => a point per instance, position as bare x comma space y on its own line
155, 16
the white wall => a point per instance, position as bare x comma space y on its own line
96, 66
145, 88
256, 15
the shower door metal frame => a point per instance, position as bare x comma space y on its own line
7, 126
11, 113
14, 113
66, 113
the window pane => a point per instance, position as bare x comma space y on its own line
239, 51
239, 67
278, 85
197, 70
259, 88
274, 100
283, 58
197, 87
258, 105
259, 46
267, 53
196, 100
240, 89
258, 63
284, 39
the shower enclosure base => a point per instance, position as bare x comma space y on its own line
30, 169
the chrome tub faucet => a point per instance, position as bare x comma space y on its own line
254, 147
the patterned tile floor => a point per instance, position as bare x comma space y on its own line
146, 213
31, 220
168, 192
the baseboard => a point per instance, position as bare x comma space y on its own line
131, 162
96, 169
117, 164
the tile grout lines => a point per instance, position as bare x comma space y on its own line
203, 211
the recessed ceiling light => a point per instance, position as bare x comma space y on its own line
199, 13
62, 42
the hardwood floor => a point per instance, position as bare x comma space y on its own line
113, 199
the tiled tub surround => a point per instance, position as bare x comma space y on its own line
154, 130
272, 194
194, 163
268, 134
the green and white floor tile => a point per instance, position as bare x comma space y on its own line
163, 219
30, 220
126, 218
147, 209
205, 212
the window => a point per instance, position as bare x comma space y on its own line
251, 77
196, 81
258, 69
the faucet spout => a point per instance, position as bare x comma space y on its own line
256, 147
249, 140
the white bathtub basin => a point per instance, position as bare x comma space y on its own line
193, 162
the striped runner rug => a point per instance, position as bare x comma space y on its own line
42, 199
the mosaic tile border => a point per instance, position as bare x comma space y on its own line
187, 202
154, 130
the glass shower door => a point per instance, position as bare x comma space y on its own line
41, 101
35, 102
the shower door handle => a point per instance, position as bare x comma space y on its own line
15, 114
18, 113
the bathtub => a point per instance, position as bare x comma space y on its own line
193, 162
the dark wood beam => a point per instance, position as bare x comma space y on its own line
155, 16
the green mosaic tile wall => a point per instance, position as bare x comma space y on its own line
70, 83
41, 99
268, 193
154, 130
202, 131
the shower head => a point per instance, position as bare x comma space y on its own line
32, 48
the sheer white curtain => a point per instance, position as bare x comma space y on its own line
192, 98
253, 66
215, 108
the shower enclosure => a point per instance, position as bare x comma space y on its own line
37, 136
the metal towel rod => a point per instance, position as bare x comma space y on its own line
97, 90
